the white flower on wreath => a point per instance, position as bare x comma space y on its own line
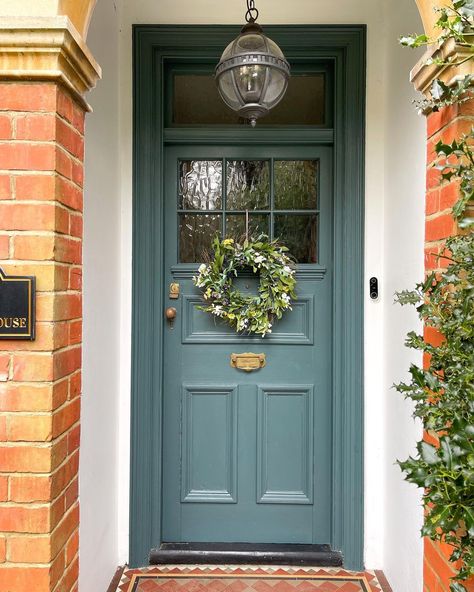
242, 324
285, 298
259, 259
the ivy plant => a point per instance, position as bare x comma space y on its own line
443, 389
455, 22
443, 394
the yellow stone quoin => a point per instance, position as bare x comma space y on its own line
44, 40
429, 16
78, 11
47, 49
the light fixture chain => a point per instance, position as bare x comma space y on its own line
252, 12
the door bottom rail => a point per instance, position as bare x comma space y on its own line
246, 553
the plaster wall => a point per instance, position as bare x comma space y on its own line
99, 487
405, 167
394, 233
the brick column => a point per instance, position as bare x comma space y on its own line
41, 181
447, 125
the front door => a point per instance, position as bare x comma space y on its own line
276, 455
247, 456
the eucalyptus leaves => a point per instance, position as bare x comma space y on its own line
248, 313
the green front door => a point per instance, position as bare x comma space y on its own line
274, 455
247, 456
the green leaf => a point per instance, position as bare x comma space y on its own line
469, 520
413, 40
428, 453
457, 587
438, 89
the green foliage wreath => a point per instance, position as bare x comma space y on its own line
248, 313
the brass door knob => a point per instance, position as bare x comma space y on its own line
171, 313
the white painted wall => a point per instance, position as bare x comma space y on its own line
394, 231
405, 158
99, 457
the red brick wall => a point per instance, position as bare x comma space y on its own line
41, 179
446, 125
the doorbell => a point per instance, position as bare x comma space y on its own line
374, 288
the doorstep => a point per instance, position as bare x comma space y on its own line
249, 578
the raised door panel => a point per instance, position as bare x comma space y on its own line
209, 444
285, 444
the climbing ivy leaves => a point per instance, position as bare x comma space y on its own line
443, 395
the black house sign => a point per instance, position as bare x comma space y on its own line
17, 307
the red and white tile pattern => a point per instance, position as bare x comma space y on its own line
228, 578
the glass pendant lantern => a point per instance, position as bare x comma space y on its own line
252, 75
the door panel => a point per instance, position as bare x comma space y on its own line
247, 456
209, 444
285, 445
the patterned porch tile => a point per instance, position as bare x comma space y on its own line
251, 578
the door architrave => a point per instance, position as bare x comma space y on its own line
346, 47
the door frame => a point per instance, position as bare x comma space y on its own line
346, 47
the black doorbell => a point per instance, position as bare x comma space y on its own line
374, 288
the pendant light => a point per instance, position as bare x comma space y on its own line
252, 75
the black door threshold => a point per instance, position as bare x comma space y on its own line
246, 553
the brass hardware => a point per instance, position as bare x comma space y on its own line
174, 291
170, 314
248, 362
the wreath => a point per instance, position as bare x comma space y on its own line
248, 313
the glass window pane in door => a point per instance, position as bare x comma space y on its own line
200, 185
196, 233
235, 226
296, 184
299, 234
248, 184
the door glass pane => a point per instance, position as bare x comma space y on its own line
299, 234
235, 225
200, 185
296, 184
196, 101
196, 233
248, 185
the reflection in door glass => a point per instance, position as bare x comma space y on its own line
248, 184
280, 196
235, 226
299, 234
200, 185
196, 233
296, 184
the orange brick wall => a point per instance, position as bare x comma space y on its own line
41, 179
446, 125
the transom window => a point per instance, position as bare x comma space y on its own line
280, 196
193, 99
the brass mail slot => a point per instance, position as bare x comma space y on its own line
247, 362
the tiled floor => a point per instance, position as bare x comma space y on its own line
208, 578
